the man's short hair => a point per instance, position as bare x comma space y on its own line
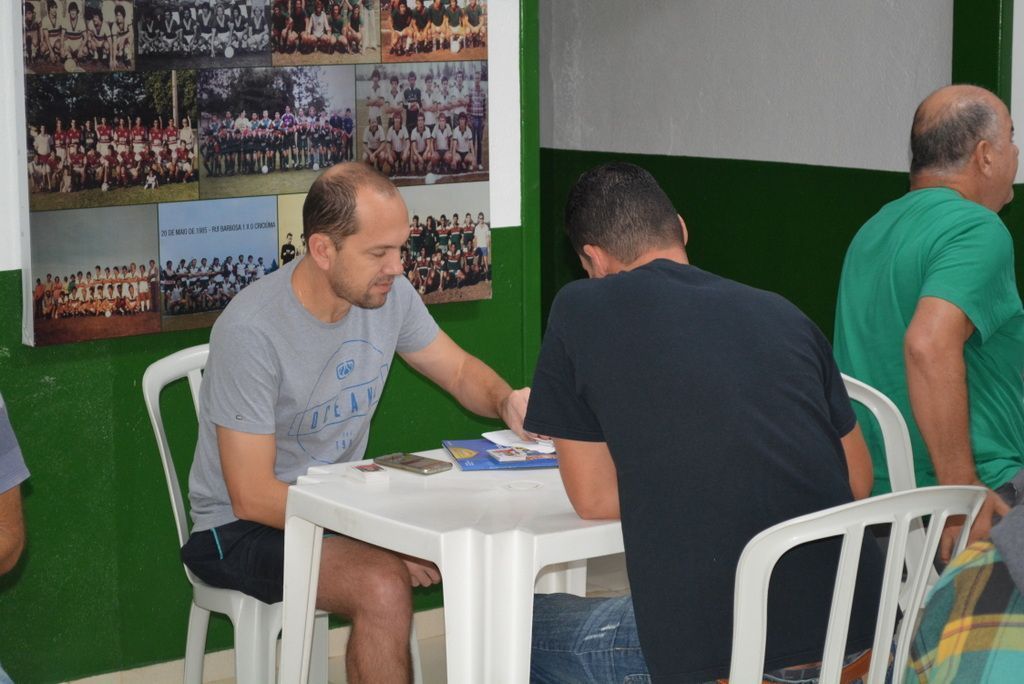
946, 140
620, 208
330, 206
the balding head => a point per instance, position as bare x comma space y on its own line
962, 139
948, 126
330, 206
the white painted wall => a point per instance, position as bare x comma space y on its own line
505, 121
14, 188
827, 82
1017, 79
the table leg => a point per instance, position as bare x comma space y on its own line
510, 574
302, 545
463, 577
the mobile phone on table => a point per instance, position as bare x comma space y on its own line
413, 463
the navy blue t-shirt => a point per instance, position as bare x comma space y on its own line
723, 410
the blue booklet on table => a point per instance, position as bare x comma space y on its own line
483, 454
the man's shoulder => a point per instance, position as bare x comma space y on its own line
923, 221
592, 297
934, 209
254, 305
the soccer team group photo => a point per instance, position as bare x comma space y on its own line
188, 115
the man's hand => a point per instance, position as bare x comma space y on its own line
513, 411
993, 505
421, 573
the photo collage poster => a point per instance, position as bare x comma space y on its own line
170, 143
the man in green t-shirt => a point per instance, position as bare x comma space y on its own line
473, 13
928, 309
454, 15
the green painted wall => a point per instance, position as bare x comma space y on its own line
100, 587
781, 227
983, 44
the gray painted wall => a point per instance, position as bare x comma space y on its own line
827, 82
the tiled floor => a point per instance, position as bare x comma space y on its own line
606, 576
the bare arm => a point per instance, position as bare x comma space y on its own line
471, 381
247, 461
590, 478
933, 351
858, 463
12, 529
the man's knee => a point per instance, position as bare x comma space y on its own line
386, 592
364, 582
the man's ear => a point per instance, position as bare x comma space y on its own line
321, 249
682, 225
982, 157
595, 261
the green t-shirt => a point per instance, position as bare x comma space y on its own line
454, 15
935, 243
339, 23
473, 14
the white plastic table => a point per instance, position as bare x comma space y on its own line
490, 533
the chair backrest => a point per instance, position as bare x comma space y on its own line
899, 461
187, 363
899, 509
899, 455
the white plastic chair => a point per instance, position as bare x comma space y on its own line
899, 461
900, 509
256, 624
899, 455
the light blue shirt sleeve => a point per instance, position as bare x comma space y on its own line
13, 470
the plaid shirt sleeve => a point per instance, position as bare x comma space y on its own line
972, 629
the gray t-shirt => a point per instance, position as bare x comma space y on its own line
12, 466
275, 369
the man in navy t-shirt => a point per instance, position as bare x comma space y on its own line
700, 411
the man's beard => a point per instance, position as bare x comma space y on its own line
365, 299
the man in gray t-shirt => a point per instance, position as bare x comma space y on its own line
274, 368
297, 365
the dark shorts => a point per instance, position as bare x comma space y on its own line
243, 555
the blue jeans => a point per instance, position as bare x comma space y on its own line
594, 640
585, 640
